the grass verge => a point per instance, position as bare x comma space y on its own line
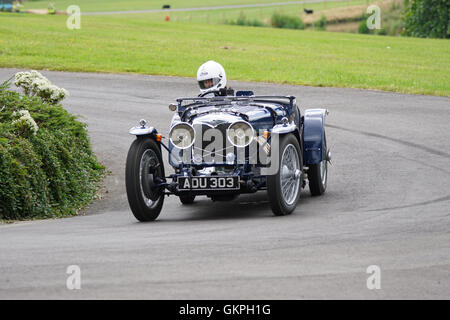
124, 5
133, 43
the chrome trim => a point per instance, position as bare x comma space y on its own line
143, 123
290, 174
193, 138
284, 128
250, 140
140, 131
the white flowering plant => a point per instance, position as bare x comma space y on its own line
24, 122
34, 83
47, 167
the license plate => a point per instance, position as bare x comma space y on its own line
208, 183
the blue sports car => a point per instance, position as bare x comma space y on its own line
224, 146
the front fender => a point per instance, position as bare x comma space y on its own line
142, 131
313, 135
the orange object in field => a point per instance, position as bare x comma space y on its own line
167, 18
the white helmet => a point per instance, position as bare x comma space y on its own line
211, 77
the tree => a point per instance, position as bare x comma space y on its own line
427, 18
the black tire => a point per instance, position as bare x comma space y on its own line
138, 192
317, 185
277, 201
187, 198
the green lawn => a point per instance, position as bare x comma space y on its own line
117, 5
199, 16
135, 43
260, 13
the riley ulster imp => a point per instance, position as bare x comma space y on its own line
226, 145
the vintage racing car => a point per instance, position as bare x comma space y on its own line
224, 146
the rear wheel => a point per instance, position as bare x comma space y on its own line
283, 188
144, 170
318, 173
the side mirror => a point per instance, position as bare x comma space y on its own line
173, 107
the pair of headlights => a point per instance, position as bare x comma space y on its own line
239, 133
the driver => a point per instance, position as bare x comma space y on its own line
211, 78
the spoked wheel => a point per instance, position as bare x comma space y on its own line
144, 170
318, 173
283, 188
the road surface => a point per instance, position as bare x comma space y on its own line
387, 204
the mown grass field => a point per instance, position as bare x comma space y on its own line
137, 44
260, 13
120, 5
204, 16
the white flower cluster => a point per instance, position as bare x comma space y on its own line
25, 121
35, 84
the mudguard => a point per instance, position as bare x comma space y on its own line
142, 131
313, 135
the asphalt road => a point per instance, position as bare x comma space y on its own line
387, 204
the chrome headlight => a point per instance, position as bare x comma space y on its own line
240, 134
182, 135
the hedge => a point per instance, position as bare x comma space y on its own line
427, 18
52, 173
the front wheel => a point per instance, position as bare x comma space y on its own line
283, 188
144, 170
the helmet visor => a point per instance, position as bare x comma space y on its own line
208, 83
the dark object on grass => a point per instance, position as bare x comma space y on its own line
308, 11
166, 6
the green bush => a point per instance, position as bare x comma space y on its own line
321, 24
427, 18
286, 21
382, 32
363, 27
242, 20
53, 173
